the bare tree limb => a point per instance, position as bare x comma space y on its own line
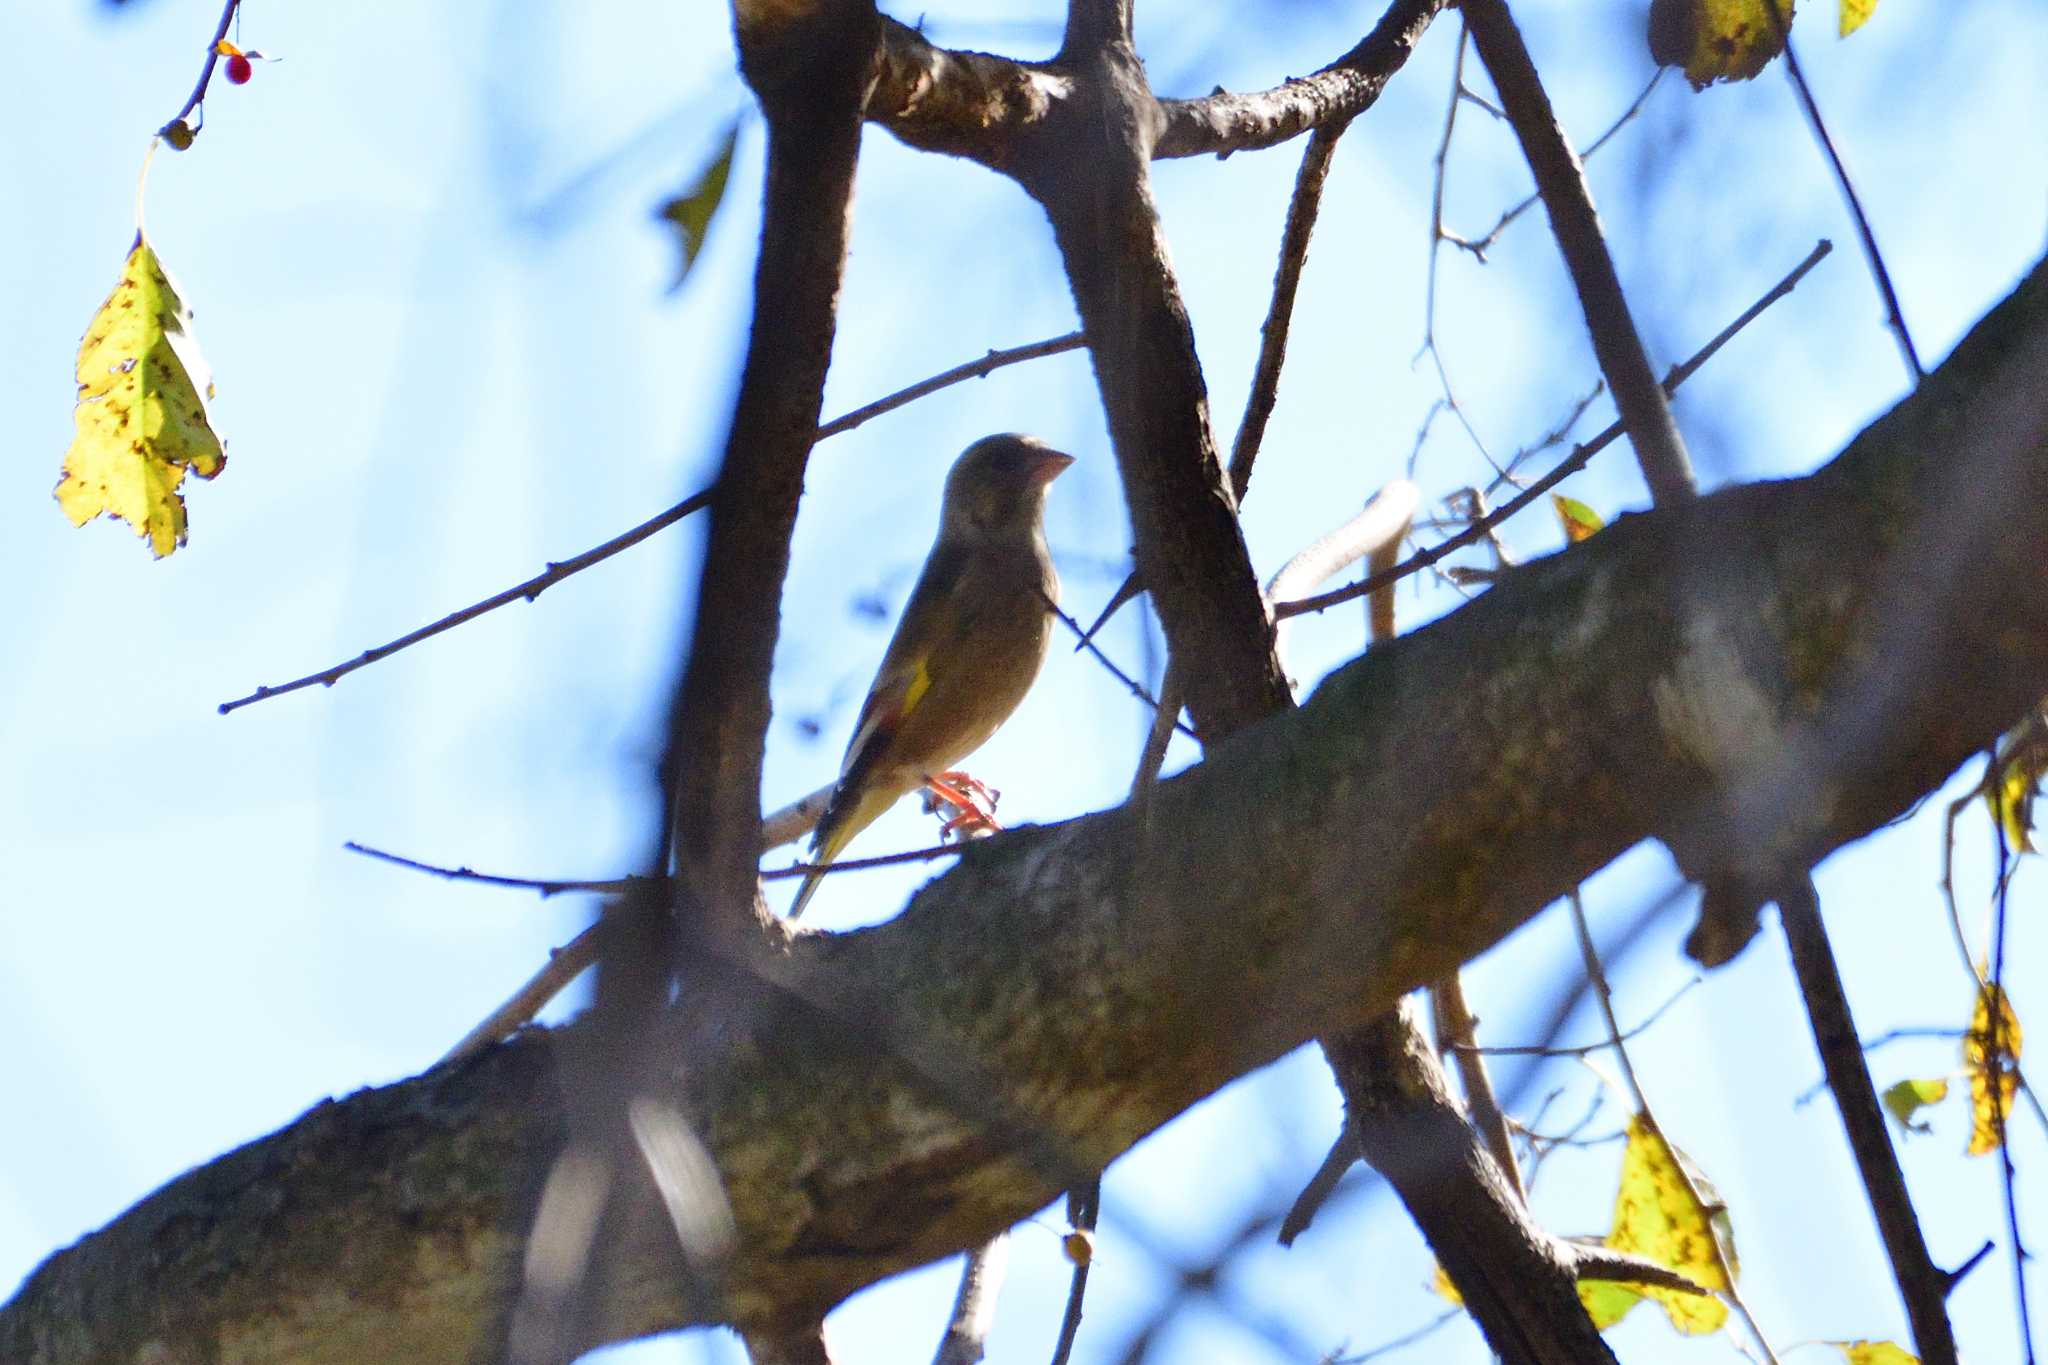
1922, 1286
1226, 123
1518, 1283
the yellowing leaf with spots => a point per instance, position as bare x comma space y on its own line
1906, 1098
1656, 1216
1874, 1353
141, 418
1993, 1065
2021, 764
1717, 40
1607, 1301
1579, 520
1856, 13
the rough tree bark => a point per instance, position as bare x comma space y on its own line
1741, 653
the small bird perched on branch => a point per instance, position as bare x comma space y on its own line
968, 648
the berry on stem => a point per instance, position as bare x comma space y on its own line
239, 70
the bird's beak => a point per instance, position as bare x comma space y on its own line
1049, 466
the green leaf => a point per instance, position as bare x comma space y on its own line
1580, 521
1906, 1098
691, 212
142, 419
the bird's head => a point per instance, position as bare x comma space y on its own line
998, 485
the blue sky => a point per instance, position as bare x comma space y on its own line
423, 264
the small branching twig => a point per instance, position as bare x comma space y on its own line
1438, 235
180, 129
1480, 246
1084, 1207
1587, 1049
1596, 978
1560, 179
1455, 1038
1137, 689
1572, 464
555, 573
1294, 238
1995, 1064
1895, 317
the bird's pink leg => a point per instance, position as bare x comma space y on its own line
974, 799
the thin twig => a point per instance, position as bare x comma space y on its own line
1995, 1066
1084, 1206
1596, 978
974, 1309
1894, 316
546, 888
1480, 247
1342, 1155
555, 573
1561, 180
615, 885
194, 101
1455, 1037
1137, 689
1587, 1049
564, 965
1572, 463
1437, 237
1294, 239
1374, 534
1922, 1286
1430, 1328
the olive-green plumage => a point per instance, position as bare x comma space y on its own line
970, 643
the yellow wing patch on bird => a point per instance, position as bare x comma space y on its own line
920, 683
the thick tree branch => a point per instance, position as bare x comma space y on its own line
812, 86
1519, 1284
1402, 820
969, 104
1226, 123
1090, 168
983, 107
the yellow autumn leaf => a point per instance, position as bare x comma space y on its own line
1579, 520
1856, 13
1906, 1098
1994, 1069
141, 420
2020, 764
1718, 40
1657, 1217
1440, 1282
1607, 1301
1874, 1353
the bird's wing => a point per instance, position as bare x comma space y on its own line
904, 679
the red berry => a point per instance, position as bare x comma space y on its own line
239, 70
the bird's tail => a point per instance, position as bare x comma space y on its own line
835, 831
